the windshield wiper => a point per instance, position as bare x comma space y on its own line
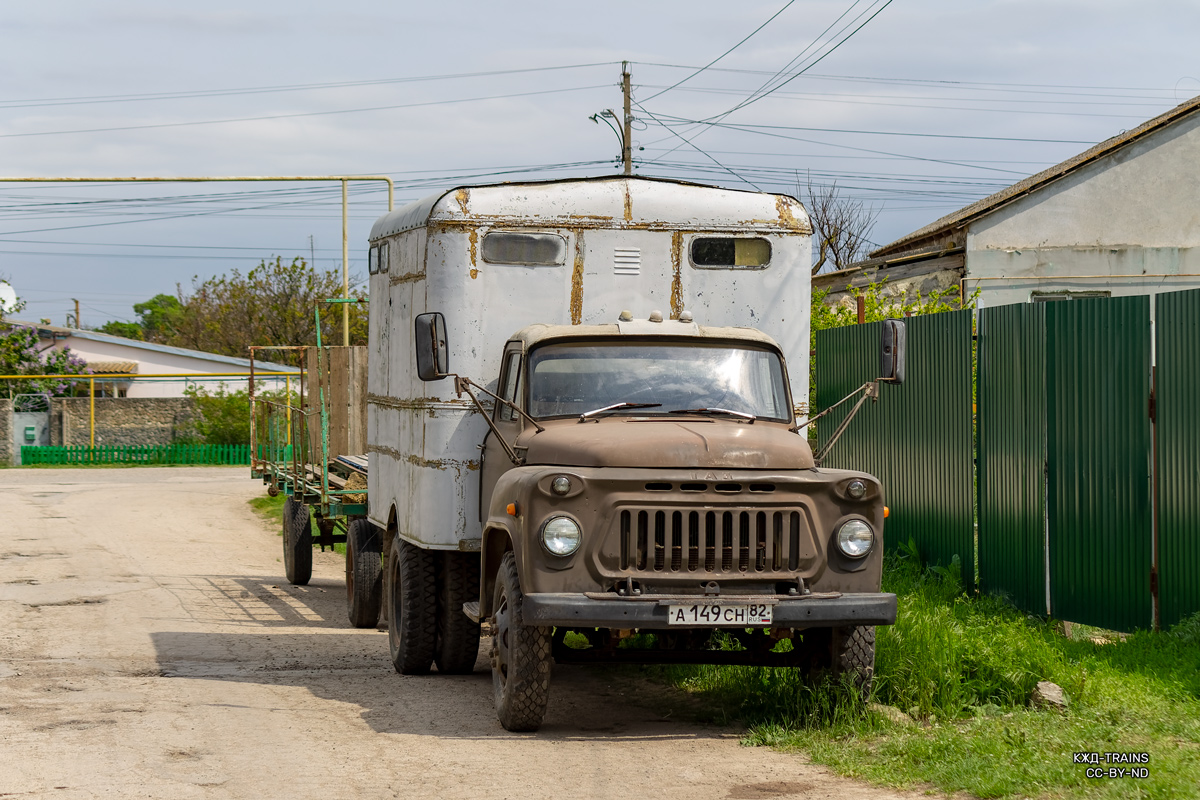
614, 407
741, 414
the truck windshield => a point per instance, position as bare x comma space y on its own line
569, 379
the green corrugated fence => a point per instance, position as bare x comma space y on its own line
917, 438
199, 454
1088, 462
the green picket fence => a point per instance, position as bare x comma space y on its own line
226, 454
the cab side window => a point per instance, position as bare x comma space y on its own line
510, 385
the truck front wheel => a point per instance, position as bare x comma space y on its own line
412, 607
520, 656
853, 651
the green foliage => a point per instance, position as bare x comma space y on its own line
128, 330
20, 354
224, 415
159, 317
272, 304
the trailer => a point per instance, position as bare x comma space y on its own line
311, 447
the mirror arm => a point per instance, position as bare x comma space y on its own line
810, 420
464, 385
870, 390
499, 399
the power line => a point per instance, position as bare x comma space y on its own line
727, 52
41, 103
300, 114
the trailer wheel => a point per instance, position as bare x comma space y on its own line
364, 573
853, 651
520, 656
457, 635
297, 542
412, 607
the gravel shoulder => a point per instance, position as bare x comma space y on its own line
150, 647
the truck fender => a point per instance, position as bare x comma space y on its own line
498, 539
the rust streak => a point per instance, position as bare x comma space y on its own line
463, 197
676, 274
786, 218
473, 238
628, 203
577, 281
408, 277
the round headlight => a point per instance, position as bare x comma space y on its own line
561, 536
855, 538
561, 484
856, 489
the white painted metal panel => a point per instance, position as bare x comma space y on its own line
627, 245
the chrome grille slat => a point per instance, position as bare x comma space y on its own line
711, 541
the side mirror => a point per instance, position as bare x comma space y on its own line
433, 354
891, 353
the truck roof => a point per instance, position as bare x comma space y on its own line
603, 202
538, 333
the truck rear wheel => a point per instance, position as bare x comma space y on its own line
457, 634
297, 542
412, 607
853, 651
364, 573
520, 656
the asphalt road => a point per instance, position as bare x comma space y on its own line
150, 647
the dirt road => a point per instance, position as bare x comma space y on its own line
149, 647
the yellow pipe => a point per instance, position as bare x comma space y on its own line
135, 375
92, 412
288, 399
345, 273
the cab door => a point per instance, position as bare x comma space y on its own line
494, 460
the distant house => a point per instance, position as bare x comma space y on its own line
1121, 218
106, 354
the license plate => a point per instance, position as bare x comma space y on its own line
731, 614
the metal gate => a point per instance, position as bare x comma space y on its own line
1177, 456
1098, 446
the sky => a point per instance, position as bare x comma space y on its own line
915, 107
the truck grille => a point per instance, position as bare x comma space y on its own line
729, 541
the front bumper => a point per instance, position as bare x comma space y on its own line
573, 610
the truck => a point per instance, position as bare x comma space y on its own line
584, 444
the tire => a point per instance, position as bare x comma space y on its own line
853, 651
412, 607
364, 573
457, 636
520, 656
297, 542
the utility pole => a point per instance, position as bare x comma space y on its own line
627, 139
77, 324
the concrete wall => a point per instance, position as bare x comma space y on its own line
1130, 220
122, 421
1143, 195
6, 433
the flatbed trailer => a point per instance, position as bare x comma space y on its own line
310, 447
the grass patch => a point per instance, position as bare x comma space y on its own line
963, 669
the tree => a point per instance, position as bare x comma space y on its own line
840, 225
272, 304
159, 317
128, 330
